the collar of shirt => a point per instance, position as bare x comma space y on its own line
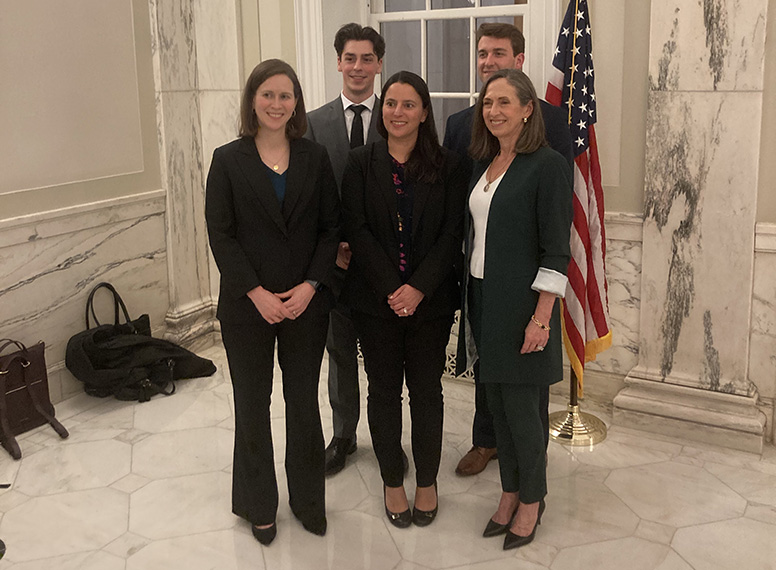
369, 103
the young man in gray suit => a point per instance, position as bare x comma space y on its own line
500, 46
340, 125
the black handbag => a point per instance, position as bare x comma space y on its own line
24, 394
123, 359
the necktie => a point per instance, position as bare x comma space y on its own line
357, 130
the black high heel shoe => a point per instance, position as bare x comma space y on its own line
399, 520
265, 535
494, 529
512, 540
425, 518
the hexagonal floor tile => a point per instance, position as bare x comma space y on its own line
74, 467
64, 524
182, 411
186, 452
224, 550
737, 543
353, 541
675, 494
84, 561
580, 511
631, 553
182, 505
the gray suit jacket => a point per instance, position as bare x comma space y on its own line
326, 126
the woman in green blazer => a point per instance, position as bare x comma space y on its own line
517, 254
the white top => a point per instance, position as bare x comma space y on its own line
366, 114
479, 207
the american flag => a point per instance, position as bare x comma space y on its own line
586, 326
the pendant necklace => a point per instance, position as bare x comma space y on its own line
489, 182
275, 163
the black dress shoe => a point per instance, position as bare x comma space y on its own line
425, 518
399, 520
265, 535
336, 453
315, 526
512, 540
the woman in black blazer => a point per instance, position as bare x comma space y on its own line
517, 254
403, 203
273, 220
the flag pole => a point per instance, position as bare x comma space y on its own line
572, 427
572, 60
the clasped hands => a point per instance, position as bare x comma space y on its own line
276, 307
405, 300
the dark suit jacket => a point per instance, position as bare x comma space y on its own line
255, 240
369, 209
458, 132
326, 126
529, 223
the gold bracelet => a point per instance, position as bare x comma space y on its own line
540, 325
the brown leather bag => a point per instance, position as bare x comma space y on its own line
24, 394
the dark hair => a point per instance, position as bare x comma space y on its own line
498, 30
425, 161
484, 145
249, 124
358, 33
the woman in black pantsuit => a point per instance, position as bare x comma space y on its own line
403, 202
273, 220
517, 255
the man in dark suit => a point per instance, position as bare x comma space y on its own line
347, 122
500, 46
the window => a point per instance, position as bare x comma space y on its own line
436, 40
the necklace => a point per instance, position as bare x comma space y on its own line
275, 163
500, 171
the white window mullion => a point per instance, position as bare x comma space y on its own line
424, 48
473, 57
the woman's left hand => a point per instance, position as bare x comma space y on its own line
297, 298
535, 338
405, 300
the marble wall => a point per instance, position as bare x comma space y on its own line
706, 66
52, 260
196, 65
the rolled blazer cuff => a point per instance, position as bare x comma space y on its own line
550, 281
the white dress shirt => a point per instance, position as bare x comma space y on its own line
366, 114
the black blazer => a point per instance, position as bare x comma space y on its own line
256, 240
458, 131
369, 210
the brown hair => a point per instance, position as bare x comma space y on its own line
484, 145
357, 33
498, 30
249, 124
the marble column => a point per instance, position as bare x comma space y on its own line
703, 140
196, 66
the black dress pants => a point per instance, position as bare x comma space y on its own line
396, 349
250, 350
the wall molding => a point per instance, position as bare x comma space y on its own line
62, 221
623, 226
765, 237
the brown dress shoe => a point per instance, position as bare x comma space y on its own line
475, 460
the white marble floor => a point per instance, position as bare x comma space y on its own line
147, 487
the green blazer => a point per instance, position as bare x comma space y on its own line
529, 224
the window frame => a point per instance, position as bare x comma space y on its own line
540, 28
